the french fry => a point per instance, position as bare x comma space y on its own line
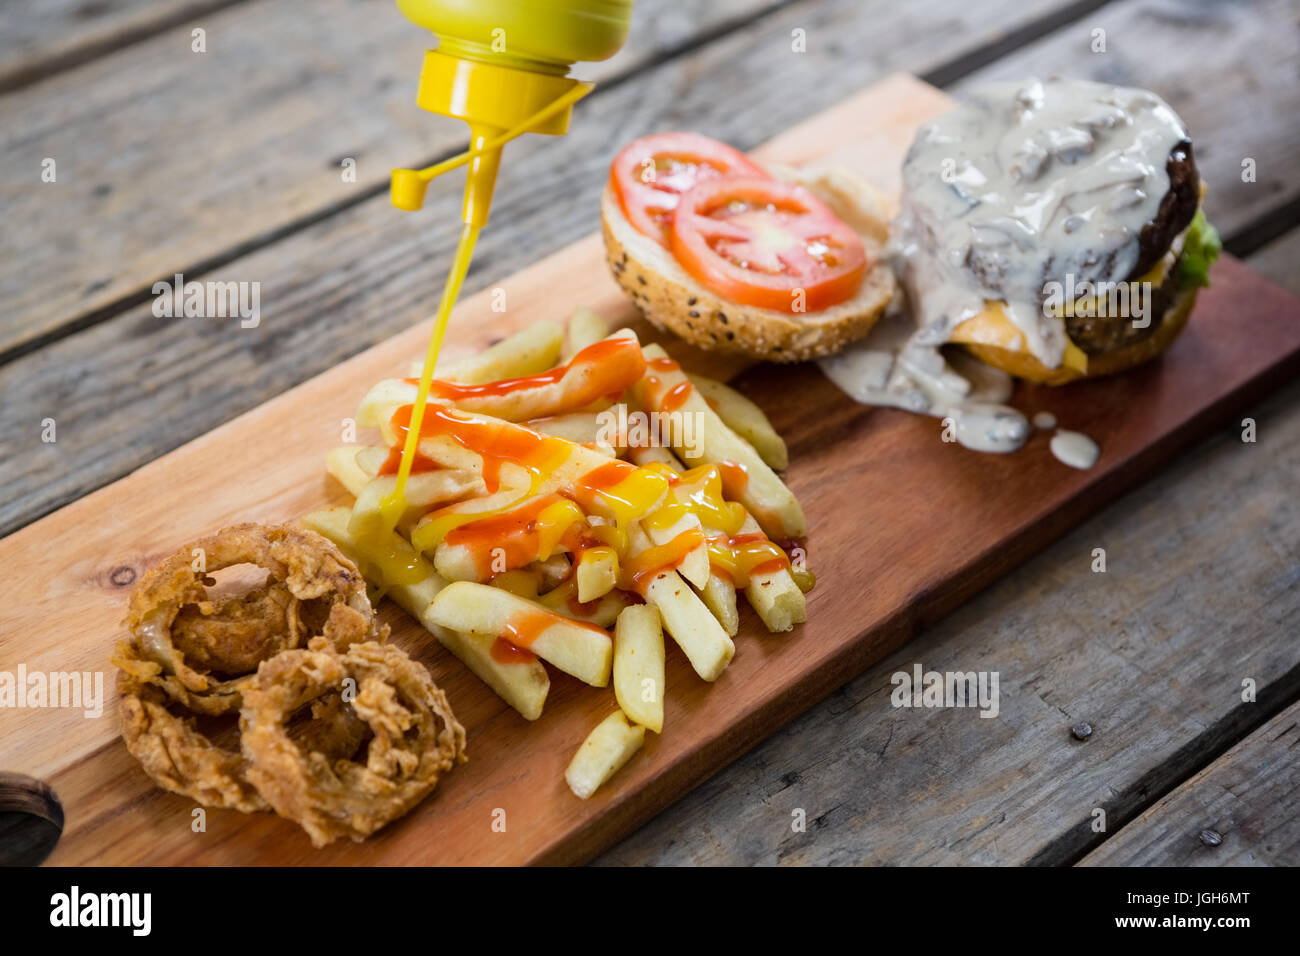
563, 599
654, 453
521, 683
581, 383
745, 419
763, 493
519, 537
371, 459
521, 581
508, 498
586, 327
605, 750
380, 402
719, 596
695, 565
585, 428
424, 491
775, 595
707, 646
344, 463
551, 571
457, 561
533, 349
639, 666
447, 453
584, 651
596, 573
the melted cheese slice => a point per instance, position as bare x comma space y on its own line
993, 327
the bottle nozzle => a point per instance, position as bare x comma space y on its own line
408, 186
481, 177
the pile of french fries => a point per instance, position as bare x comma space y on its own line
571, 601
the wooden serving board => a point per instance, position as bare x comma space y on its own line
904, 528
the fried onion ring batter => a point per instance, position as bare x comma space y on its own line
201, 652
412, 738
190, 656
179, 758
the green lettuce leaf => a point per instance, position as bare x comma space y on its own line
1200, 249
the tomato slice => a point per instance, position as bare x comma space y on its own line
649, 174
760, 241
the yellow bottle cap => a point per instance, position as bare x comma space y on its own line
494, 99
491, 94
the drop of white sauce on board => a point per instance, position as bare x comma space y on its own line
1074, 449
1044, 421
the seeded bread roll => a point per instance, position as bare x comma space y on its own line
672, 299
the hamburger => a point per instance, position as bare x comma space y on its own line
1054, 228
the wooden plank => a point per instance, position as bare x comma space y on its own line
996, 511
1280, 261
134, 387
40, 37
1247, 799
165, 165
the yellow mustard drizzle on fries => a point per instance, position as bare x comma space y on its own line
435, 526
698, 492
651, 493
632, 498
395, 564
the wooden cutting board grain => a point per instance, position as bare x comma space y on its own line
904, 528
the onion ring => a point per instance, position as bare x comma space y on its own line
413, 738
174, 624
179, 758
176, 630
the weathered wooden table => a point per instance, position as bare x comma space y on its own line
228, 162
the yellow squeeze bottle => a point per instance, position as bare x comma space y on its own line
501, 66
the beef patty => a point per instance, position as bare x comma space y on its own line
1176, 210
1099, 334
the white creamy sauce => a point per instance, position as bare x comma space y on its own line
1074, 449
1044, 421
890, 368
1026, 183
